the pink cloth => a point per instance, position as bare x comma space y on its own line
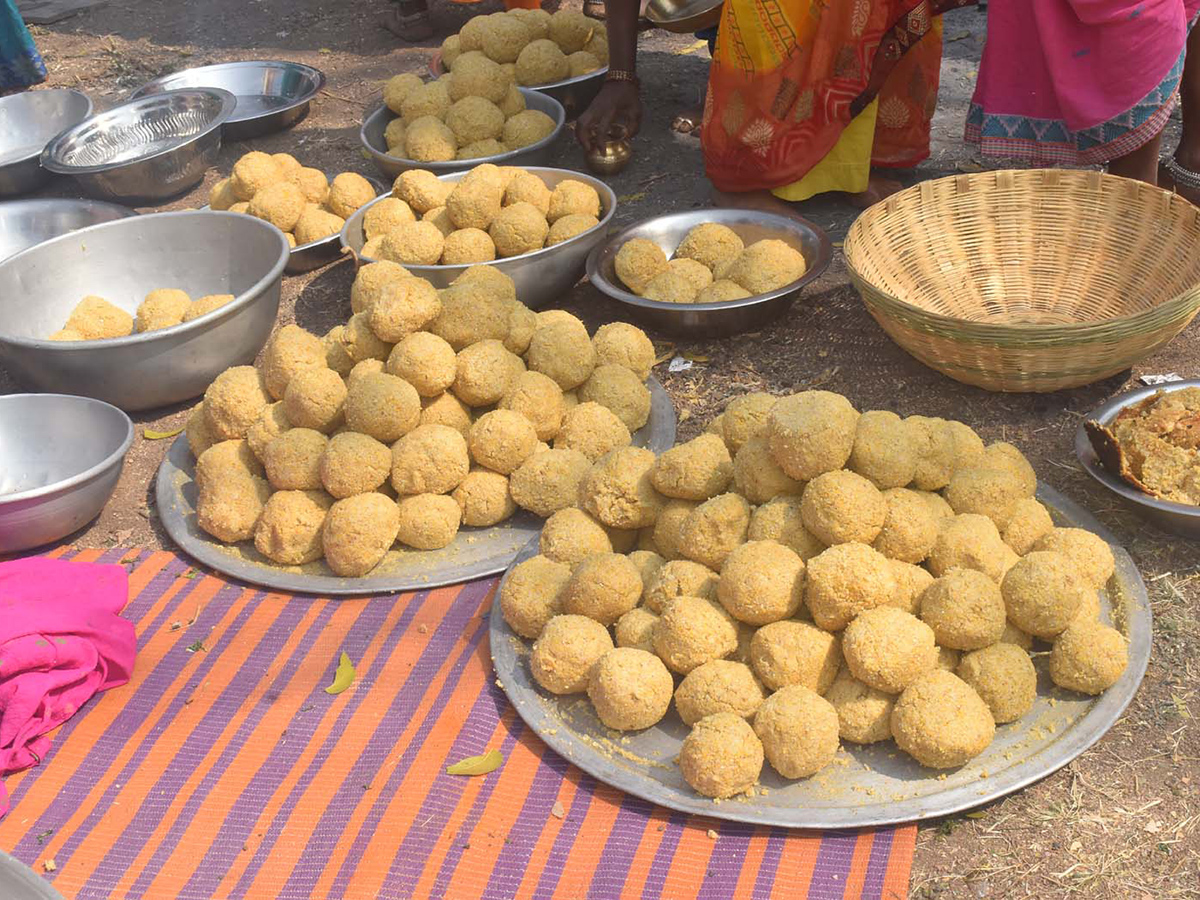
61, 641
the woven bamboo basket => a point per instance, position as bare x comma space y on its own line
1029, 280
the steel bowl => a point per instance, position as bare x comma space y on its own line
575, 94
201, 252
371, 137
26, 223
540, 277
146, 150
684, 16
28, 121
60, 458
272, 94
713, 319
19, 882
1176, 518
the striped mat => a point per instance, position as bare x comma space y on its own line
224, 770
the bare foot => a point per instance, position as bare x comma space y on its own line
688, 121
1167, 183
411, 28
878, 188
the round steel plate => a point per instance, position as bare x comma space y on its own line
476, 552
865, 786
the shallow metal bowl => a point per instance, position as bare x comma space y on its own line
540, 277
713, 319
1177, 518
684, 16
146, 150
201, 252
28, 121
575, 94
60, 458
272, 94
26, 223
371, 137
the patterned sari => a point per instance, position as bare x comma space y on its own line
788, 77
20, 64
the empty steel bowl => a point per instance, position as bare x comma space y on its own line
541, 276
146, 150
27, 123
575, 93
684, 16
371, 137
712, 319
60, 458
1177, 518
272, 94
201, 252
26, 223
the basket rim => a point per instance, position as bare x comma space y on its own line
1187, 300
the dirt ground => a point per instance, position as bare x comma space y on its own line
1119, 822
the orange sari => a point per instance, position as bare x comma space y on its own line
787, 78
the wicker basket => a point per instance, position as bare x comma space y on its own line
1029, 280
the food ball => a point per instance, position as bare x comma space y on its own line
234, 401
570, 536
425, 361
528, 188
385, 215
1088, 657
363, 344
314, 399
502, 440
430, 459
570, 226
451, 48
1003, 675
426, 99
570, 29
362, 369
968, 446
229, 510
635, 629
396, 88
475, 203
969, 542
549, 480
592, 429
761, 582
199, 435
990, 492
1001, 455
271, 423
468, 245
799, 731
941, 722
470, 37
315, 224
617, 489
721, 757
845, 580
289, 529
253, 172
526, 128
312, 184
936, 452
415, 243
1043, 592
514, 100
887, 648
864, 714
572, 197
536, 20
811, 432
679, 578
65, 334
722, 291
221, 195
539, 399
336, 356
965, 610
446, 409
885, 450
766, 265
746, 417
478, 76
630, 689
529, 595
714, 528
358, 532
622, 344
161, 308
618, 389
429, 139
290, 350
370, 282
1090, 553
692, 631
484, 498
603, 587
780, 520
564, 352
717, 686
226, 459
382, 406
597, 45
565, 652
94, 318
694, 273
671, 287
485, 372
638, 262
668, 527
293, 460
280, 204
710, 244
522, 323
517, 229
470, 314
648, 561
909, 527
354, 464
696, 470
421, 190
202, 306
840, 506
393, 136
541, 62
474, 119
1028, 523
348, 192
792, 652
427, 521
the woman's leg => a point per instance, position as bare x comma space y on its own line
1141, 164
1188, 152
409, 20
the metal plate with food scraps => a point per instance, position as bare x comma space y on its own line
865, 785
475, 552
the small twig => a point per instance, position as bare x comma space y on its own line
343, 99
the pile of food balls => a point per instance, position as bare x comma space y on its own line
473, 110
804, 574
492, 212
298, 200
96, 319
710, 265
426, 411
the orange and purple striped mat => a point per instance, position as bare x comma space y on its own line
224, 770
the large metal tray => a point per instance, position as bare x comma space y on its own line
865, 786
476, 552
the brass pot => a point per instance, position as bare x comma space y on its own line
610, 158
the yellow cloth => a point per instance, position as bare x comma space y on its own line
847, 167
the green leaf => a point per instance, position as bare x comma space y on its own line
344, 676
477, 765
150, 435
